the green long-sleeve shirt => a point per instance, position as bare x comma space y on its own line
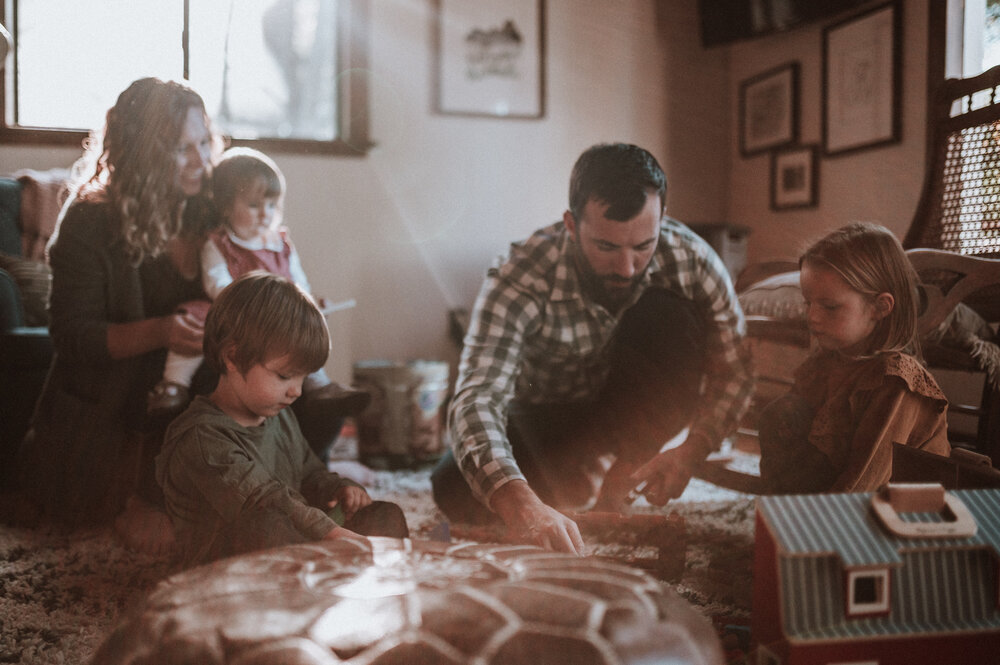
212, 470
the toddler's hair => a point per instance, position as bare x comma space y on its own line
262, 316
238, 170
872, 261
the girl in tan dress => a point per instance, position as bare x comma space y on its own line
863, 389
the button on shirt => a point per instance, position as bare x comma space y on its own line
536, 338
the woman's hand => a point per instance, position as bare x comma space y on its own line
184, 333
351, 499
178, 332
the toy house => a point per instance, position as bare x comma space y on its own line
905, 575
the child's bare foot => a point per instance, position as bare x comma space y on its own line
145, 528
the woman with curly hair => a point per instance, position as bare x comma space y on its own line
124, 257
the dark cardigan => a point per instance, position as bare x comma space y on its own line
84, 453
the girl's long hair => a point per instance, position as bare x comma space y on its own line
132, 163
872, 261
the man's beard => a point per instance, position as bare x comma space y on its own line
610, 291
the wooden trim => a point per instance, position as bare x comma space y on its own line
937, 35
353, 98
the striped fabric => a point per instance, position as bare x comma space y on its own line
936, 585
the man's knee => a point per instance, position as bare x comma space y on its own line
663, 333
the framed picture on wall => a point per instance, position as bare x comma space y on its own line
490, 58
862, 85
769, 110
795, 177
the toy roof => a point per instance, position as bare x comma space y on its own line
939, 585
845, 526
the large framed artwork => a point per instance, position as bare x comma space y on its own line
769, 110
490, 58
862, 86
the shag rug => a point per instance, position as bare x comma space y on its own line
62, 591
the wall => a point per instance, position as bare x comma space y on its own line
880, 184
408, 230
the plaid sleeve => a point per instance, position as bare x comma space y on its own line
487, 374
729, 380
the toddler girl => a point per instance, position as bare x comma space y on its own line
248, 188
862, 390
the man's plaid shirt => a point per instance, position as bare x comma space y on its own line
533, 336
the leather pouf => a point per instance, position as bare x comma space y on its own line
406, 602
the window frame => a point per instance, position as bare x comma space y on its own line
353, 95
880, 606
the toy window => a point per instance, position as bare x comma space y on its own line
867, 592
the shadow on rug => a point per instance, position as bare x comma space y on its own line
62, 591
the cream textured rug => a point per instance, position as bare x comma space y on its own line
61, 592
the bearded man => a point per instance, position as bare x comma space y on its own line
591, 344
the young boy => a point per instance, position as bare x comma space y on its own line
236, 472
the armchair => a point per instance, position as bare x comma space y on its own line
28, 209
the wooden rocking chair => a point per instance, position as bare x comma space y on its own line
946, 279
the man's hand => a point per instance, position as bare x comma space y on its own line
667, 474
534, 522
351, 499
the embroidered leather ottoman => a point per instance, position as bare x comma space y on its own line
404, 602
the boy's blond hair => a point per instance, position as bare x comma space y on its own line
262, 316
872, 261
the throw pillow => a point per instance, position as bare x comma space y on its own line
34, 279
777, 297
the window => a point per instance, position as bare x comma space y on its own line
280, 73
867, 592
980, 36
963, 41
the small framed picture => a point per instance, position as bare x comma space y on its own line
862, 85
490, 58
795, 177
769, 110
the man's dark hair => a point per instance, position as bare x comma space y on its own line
618, 174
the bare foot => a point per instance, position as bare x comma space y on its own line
145, 528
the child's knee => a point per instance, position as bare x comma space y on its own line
379, 518
786, 419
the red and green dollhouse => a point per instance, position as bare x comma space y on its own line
907, 575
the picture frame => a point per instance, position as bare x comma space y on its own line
862, 82
490, 58
795, 177
769, 110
